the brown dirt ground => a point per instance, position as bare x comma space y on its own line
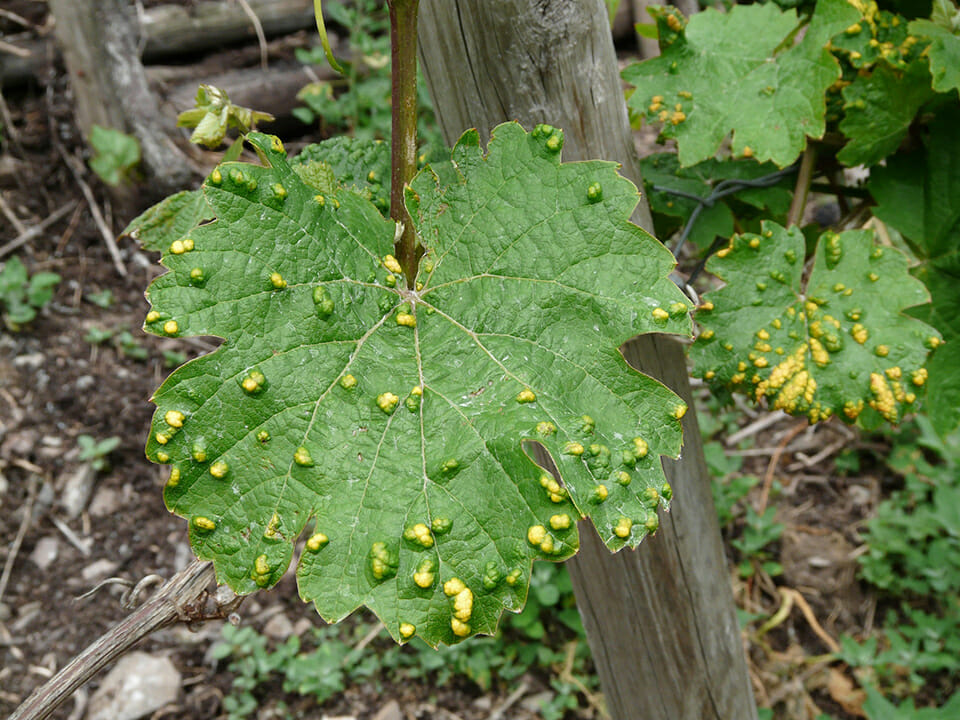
55, 386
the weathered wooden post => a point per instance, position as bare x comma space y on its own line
660, 620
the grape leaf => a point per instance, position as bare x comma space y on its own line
836, 344
362, 165
943, 54
169, 220
721, 73
878, 37
918, 193
878, 109
396, 419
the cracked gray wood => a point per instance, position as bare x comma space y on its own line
660, 620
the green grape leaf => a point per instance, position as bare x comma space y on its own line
395, 420
943, 54
918, 190
722, 73
878, 109
671, 190
877, 37
169, 220
363, 165
836, 344
918, 193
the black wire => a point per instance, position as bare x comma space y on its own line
722, 189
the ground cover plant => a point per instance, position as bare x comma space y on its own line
817, 374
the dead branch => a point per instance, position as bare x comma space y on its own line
182, 598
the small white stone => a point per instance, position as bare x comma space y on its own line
45, 552
138, 685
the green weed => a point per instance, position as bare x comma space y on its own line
116, 155
914, 560
97, 452
22, 295
547, 637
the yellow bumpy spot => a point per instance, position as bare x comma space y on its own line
174, 478
554, 491
461, 629
302, 457
706, 335
513, 576
560, 522
348, 382
391, 264
641, 447
276, 279
463, 605
419, 533
660, 315
919, 377
853, 408
883, 400
317, 541
152, 316
162, 438
881, 350
174, 418
407, 630
573, 448
894, 373
424, 575
547, 544
387, 402
526, 396
254, 382
600, 493
170, 327
819, 354
546, 428
163, 457
453, 586
219, 469
271, 532
177, 247
535, 536
707, 306
204, 523
623, 478
216, 177
623, 528
406, 320
859, 333
382, 564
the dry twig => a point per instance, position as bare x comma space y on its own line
21, 532
258, 28
183, 598
31, 233
105, 231
775, 460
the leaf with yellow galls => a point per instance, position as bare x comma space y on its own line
392, 422
837, 343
